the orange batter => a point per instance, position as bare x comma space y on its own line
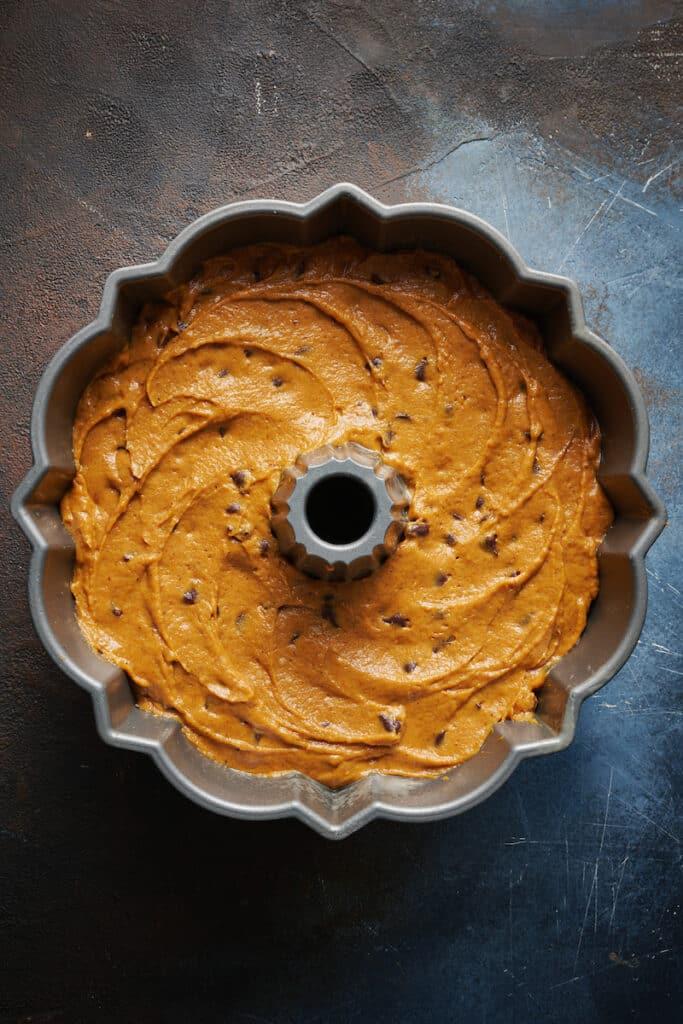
179, 444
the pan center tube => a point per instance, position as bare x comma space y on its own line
338, 513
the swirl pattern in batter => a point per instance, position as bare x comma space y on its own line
179, 445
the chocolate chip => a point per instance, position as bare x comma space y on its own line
397, 620
224, 373
479, 503
233, 507
376, 279
115, 610
527, 435
126, 558
248, 352
403, 416
278, 382
264, 547
440, 737
182, 325
410, 666
478, 706
443, 642
373, 410
457, 516
490, 544
418, 529
535, 466
390, 723
448, 408
376, 361
239, 478
516, 573
421, 369
302, 350
294, 637
325, 725
257, 736
190, 596
450, 540
541, 518
222, 430
440, 578
120, 413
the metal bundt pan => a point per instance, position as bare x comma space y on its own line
615, 619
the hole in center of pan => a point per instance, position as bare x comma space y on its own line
340, 509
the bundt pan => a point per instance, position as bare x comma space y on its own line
615, 619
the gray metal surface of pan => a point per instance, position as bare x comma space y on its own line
616, 616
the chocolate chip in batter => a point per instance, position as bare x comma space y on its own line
450, 540
535, 466
527, 435
190, 596
121, 413
443, 642
239, 478
403, 416
418, 529
439, 738
410, 666
233, 507
278, 382
264, 547
441, 578
302, 350
390, 723
294, 637
448, 408
222, 430
376, 361
457, 516
115, 610
126, 558
397, 620
421, 369
182, 325
248, 352
541, 518
224, 372
479, 503
490, 544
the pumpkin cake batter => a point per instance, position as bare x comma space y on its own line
179, 445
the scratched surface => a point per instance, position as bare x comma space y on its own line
560, 898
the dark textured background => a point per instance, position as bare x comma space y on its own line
560, 898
